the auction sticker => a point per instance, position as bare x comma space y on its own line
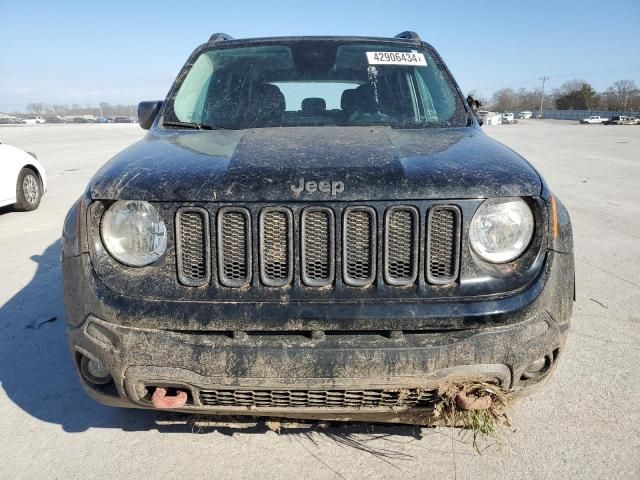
396, 58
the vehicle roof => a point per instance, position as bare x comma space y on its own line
223, 40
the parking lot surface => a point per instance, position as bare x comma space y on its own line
584, 424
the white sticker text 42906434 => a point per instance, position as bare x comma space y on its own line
396, 58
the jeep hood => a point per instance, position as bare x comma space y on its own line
374, 163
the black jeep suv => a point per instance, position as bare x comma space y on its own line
314, 227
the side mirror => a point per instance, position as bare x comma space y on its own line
475, 106
473, 103
147, 112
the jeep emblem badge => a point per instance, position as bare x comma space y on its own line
324, 186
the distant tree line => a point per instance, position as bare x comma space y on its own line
623, 95
102, 110
577, 94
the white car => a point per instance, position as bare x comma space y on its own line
593, 119
22, 179
33, 120
508, 118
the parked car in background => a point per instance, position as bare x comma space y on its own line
11, 121
623, 120
81, 120
122, 120
53, 120
489, 118
508, 118
100, 120
34, 120
525, 114
22, 179
593, 119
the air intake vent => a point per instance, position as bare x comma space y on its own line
443, 245
359, 246
407, 398
234, 247
276, 247
401, 245
318, 246
192, 246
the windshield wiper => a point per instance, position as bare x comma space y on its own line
412, 125
197, 126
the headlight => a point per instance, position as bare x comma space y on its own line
501, 229
134, 233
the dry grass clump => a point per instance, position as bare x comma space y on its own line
481, 408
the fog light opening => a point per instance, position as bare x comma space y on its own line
94, 371
538, 369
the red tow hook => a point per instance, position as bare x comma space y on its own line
160, 399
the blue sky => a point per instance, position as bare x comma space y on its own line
127, 51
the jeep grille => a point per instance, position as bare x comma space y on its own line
307, 245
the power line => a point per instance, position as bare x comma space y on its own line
544, 79
602, 72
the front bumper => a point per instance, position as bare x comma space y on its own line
501, 339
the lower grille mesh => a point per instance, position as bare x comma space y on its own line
443, 245
411, 398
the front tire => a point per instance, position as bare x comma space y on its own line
28, 190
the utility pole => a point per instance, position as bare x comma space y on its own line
544, 79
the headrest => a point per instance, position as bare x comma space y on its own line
313, 106
366, 99
270, 98
348, 100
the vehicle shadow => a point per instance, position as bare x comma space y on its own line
36, 371
37, 374
6, 209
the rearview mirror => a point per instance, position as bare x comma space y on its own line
147, 112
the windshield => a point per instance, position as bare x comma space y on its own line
315, 83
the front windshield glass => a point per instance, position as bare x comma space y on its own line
315, 83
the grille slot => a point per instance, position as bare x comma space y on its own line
443, 244
380, 398
234, 247
401, 245
317, 246
276, 246
192, 246
359, 246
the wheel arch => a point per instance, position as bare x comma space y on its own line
39, 173
33, 167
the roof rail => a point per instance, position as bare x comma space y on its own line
408, 36
218, 37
